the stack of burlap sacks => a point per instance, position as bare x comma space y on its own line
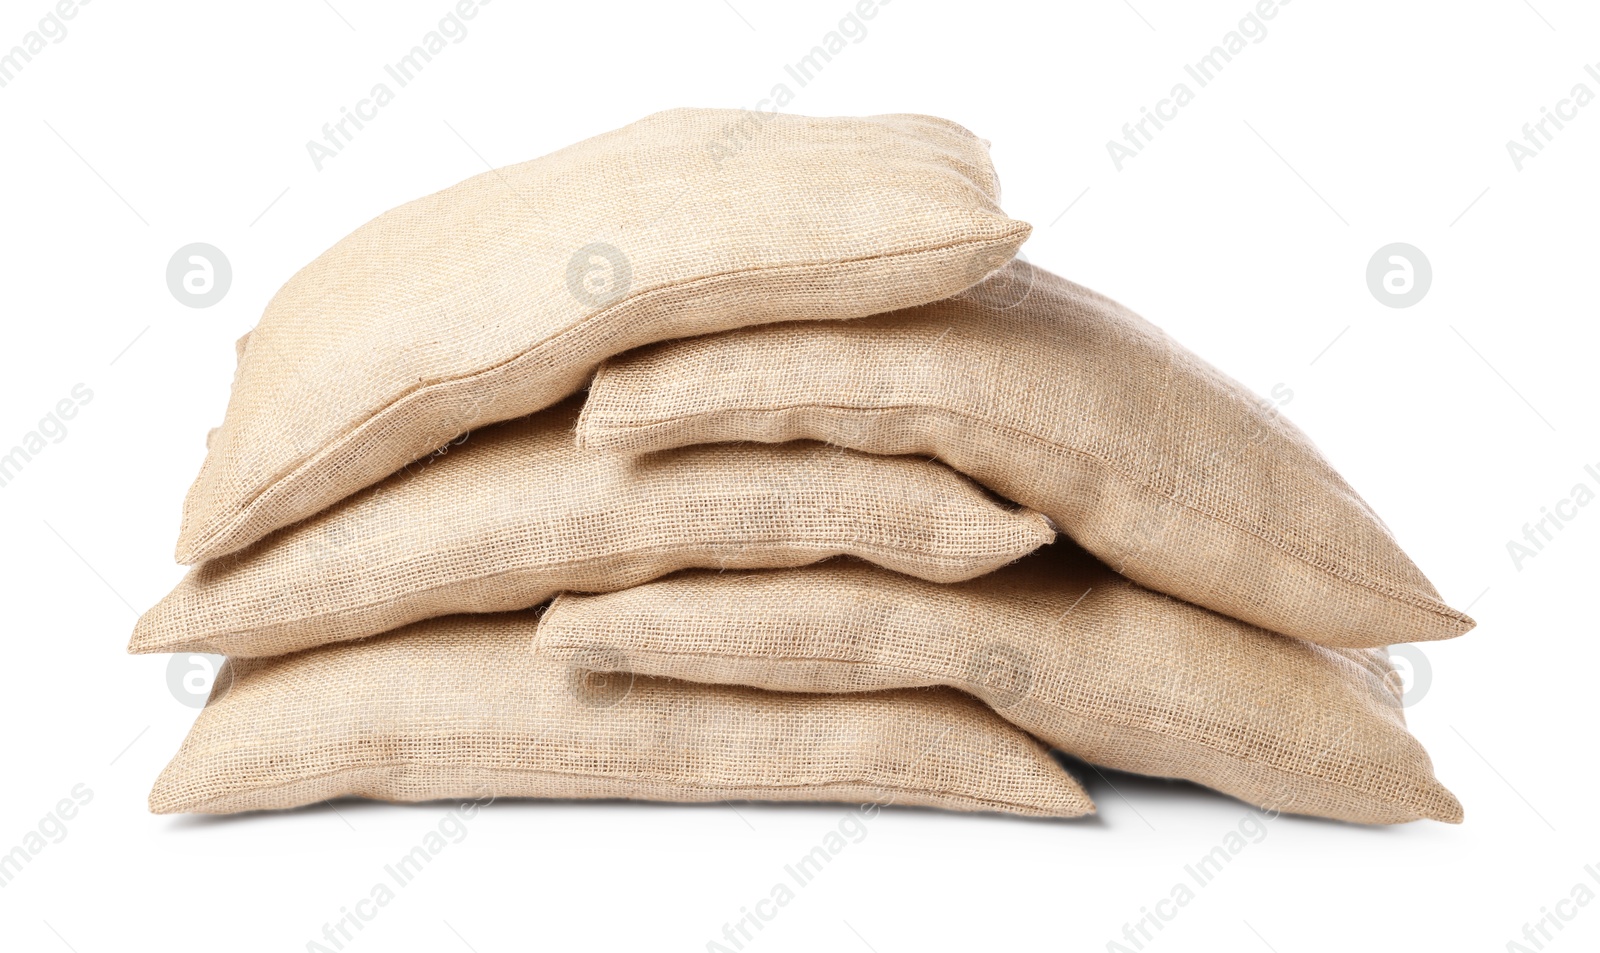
858, 506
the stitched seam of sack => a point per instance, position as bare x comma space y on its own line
554, 642
1382, 587
531, 355
669, 782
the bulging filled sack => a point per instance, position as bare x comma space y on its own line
461, 707
515, 513
498, 296
1063, 400
1061, 646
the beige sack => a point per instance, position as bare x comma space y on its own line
461, 707
1059, 398
515, 513
498, 296
1084, 659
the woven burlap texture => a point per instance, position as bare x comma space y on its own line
462, 707
1059, 398
1060, 645
516, 512
497, 297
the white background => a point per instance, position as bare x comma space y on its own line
1244, 228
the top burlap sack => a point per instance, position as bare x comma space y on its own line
1061, 399
498, 296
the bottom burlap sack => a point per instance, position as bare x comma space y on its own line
461, 707
1061, 646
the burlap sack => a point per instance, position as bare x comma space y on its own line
461, 707
498, 296
1059, 398
1061, 646
516, 513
